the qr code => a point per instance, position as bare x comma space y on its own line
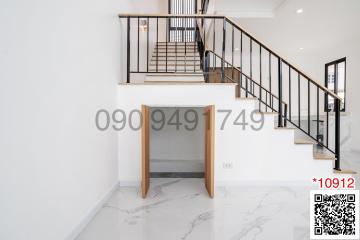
334, 214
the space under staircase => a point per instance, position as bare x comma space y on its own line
223, 52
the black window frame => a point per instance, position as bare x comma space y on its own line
327, 65
180, 29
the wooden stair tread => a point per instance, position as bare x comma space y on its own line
175, 53
163, 70
176, 47
305, 141
285, 128
174, 81
324, 156
344, 172
175, 50
180, 83
175, 60
175, 74
178, 43
172, 64
267, 113
246, 99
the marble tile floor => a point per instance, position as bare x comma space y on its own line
180, 209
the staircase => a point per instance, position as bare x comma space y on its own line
179, 62
279, 89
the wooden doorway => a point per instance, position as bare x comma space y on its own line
145, 151
209, 112
209, 118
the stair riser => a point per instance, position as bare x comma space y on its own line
188, 78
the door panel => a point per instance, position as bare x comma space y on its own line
209, 149
145, 146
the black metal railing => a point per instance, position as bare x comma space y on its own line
151, 49
222, 47
246, 86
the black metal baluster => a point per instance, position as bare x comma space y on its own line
232, 51
266, 97
147, 45
337, 103
166, 44
128, 51
327, 120
337, 106
299, 92
327, 109
317, 114
251, 76
194, 24
138, 45
260, 88
246, 87
204, 38
280, 123
285, 114
241, 49
214, 57
185, 19
272, 109
309, 117
290, 93
157, 44
223, 51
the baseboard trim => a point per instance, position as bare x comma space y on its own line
355, 150
237, 183
177, 174
91, 213
262, 183
130, 183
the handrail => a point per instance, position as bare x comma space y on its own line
285, 61
144, 15
236, 25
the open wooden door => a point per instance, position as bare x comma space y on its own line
145, 146
209, 148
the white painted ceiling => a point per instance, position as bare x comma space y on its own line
323, 23
247, 8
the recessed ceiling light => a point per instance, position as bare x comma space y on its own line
301, 48
300, 10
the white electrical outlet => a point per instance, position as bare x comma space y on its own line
227, 165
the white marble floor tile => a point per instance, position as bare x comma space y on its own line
180, 209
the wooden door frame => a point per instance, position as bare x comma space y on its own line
209, 138
145, 151
209, 149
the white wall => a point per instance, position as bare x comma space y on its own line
170, 143
178, 148
60, 63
